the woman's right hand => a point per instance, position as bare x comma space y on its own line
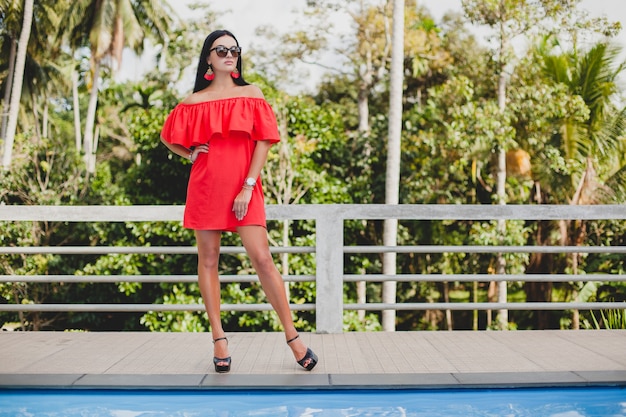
204, 148
241, 203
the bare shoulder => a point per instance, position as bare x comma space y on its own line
253, 91
208, 94
194, 98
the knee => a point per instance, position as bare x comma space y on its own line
264, 264
209, 260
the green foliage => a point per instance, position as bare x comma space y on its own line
610, 319
561, 112
177, 321
516, 234
353, 323
316, 141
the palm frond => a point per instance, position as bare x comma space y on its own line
595, 80
616, 183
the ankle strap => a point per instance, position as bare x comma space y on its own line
291, 340
220, 338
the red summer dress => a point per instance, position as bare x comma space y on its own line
231, 126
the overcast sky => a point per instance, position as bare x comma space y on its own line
243, 17
246, 15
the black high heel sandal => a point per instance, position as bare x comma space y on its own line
221, 368
310, 355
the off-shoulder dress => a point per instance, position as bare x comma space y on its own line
231, 126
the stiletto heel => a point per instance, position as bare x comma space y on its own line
310, 355
221, 368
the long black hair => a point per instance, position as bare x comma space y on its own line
201, 82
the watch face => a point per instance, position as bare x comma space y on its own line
250, 181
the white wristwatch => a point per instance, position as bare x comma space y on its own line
251, 182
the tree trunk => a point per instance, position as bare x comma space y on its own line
577, 229
540, 263
361, 298
7, 90
475, 300
16, 90
503, 316
90, 122
37, 125
392, 177
364, 129
363, 107
76, 105
91, 167
284, 257
45, 119
446, 299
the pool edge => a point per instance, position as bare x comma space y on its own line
314, 381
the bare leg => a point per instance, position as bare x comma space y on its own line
254, 239
208, 279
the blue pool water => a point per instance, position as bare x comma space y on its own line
553, 402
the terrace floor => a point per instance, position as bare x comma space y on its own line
457, 359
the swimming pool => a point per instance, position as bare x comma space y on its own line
526, 402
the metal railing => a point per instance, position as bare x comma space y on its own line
329, 251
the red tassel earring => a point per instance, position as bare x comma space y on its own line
209, 75
235, 73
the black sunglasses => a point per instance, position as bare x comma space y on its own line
222, 51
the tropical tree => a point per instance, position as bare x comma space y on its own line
510, 19
44, 79
591, 150
9, 32
106, 27
16, 87
392, 177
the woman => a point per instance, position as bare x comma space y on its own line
225, 128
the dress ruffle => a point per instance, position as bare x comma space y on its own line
233, 126
194, 124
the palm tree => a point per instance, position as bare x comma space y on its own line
43, 64
9, 31
392, 177
509, 19
106, 27
16, 87
593, 149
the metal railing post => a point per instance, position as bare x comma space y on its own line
329, 273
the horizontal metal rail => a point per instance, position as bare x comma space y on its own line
100, 279
138, 250
104, 279
192, 250
150, 213
485, 278
484, 249
142, 308
486, 306
138, 308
